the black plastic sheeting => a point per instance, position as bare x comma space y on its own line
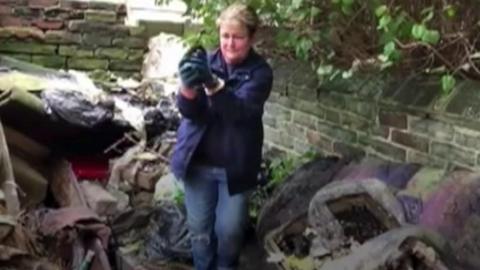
75, 108
162, 231
168, 237
161, 118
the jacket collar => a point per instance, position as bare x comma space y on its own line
219, 66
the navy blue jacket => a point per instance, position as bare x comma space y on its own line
240, 106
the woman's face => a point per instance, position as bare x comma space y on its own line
235, 41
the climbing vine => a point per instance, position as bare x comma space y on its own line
344, 37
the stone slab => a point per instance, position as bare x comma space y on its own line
96, 39
23, 47
51, 61
131, 42
22, 57
466, 101
125, 65
107, 16
75, 51
21, 32
154, 28
417, 91
98, 198
87, 63
62, 37
89, 27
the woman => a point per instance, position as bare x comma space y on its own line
219, 144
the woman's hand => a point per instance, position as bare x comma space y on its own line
194, 66
190, 72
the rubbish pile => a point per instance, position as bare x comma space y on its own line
85, 184
371, 214
84, 163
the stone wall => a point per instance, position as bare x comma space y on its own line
405, 120
71, 35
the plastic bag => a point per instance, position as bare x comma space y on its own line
169, 238
161, 118
76, 108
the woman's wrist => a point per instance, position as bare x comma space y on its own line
215, 88
188, 93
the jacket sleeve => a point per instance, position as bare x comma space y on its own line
193, 109
247, 101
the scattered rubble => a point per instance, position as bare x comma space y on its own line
85, 184
77, 154
377, 215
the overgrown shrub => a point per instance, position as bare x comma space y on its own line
342, 37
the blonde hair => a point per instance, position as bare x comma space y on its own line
241, 13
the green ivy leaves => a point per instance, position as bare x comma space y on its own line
381, 10
312, 31
297, 3
389, 56
450, 11
422, 33
346, 6
448, 83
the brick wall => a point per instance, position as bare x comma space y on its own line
400, 120
71, 35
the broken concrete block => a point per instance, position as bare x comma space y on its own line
142, 199
122, 198
339, 206
147, 179
98, 198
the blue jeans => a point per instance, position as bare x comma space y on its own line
216, 220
